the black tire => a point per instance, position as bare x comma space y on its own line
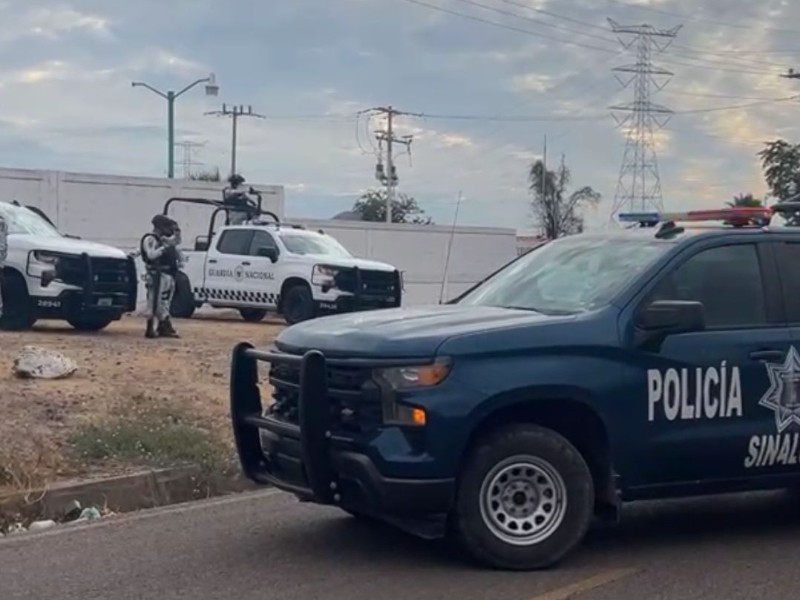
540, 455
252, 315
17, 308
183, 304
90, 323
298, 304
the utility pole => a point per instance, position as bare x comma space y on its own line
388, 137
212, 89
235, 112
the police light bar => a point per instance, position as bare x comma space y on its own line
739, 215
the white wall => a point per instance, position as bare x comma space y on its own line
421, 252
117, 211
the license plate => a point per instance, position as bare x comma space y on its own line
105, 302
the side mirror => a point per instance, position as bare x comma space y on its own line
270, 253
667, 317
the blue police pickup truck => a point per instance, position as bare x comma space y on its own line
658, 359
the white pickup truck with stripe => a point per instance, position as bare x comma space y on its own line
263, 266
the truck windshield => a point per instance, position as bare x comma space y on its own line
307, 244
569, 275
20, 220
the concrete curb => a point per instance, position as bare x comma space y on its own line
144, 489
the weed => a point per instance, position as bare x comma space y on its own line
151, 432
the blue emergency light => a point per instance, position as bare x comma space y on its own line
756, 215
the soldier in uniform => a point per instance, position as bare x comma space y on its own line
245, 208
3, 255
162, 259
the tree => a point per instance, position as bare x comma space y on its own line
371, 206
557, 211
745, 200
781, 163
206, 176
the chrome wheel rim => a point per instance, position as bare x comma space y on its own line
523, 500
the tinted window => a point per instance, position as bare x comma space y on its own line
261, 239
727, 280
790, 278
313, 244
569, 275
235, 241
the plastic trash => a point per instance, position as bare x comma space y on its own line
16, 528
72, 511
89, 514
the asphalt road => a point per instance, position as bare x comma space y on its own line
265, 545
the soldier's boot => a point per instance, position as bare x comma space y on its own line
150, 333
165, 329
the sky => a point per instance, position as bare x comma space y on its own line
491, 77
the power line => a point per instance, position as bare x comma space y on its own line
605, 29
699, 18
715, 66
235, 112
688, 48
504, 26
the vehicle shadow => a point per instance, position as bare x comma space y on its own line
720, 519
645, 527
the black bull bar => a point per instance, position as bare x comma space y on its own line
247, 416
314, 417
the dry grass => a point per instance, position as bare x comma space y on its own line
132, 402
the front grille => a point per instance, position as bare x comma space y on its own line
108, 275
372, 283
354, 399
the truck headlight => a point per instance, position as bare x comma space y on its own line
45, 258
413, 377
323, 275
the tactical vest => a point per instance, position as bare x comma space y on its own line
166, 263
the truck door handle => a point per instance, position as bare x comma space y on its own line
212, 261
766, 354
246, 264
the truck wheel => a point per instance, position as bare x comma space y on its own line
525, 499
252, 315
298, 304
89, 323
17, 309
183, 305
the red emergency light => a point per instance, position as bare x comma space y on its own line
738, 216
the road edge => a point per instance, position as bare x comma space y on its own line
148, 488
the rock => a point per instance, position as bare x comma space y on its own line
39, 525
40, 363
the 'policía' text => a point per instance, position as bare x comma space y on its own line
688, 394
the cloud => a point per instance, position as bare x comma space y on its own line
310, 65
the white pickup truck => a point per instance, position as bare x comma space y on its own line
264, 266
49, 275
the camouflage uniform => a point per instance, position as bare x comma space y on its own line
162, 259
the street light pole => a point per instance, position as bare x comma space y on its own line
212, 89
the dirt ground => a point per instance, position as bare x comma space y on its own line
53, 430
